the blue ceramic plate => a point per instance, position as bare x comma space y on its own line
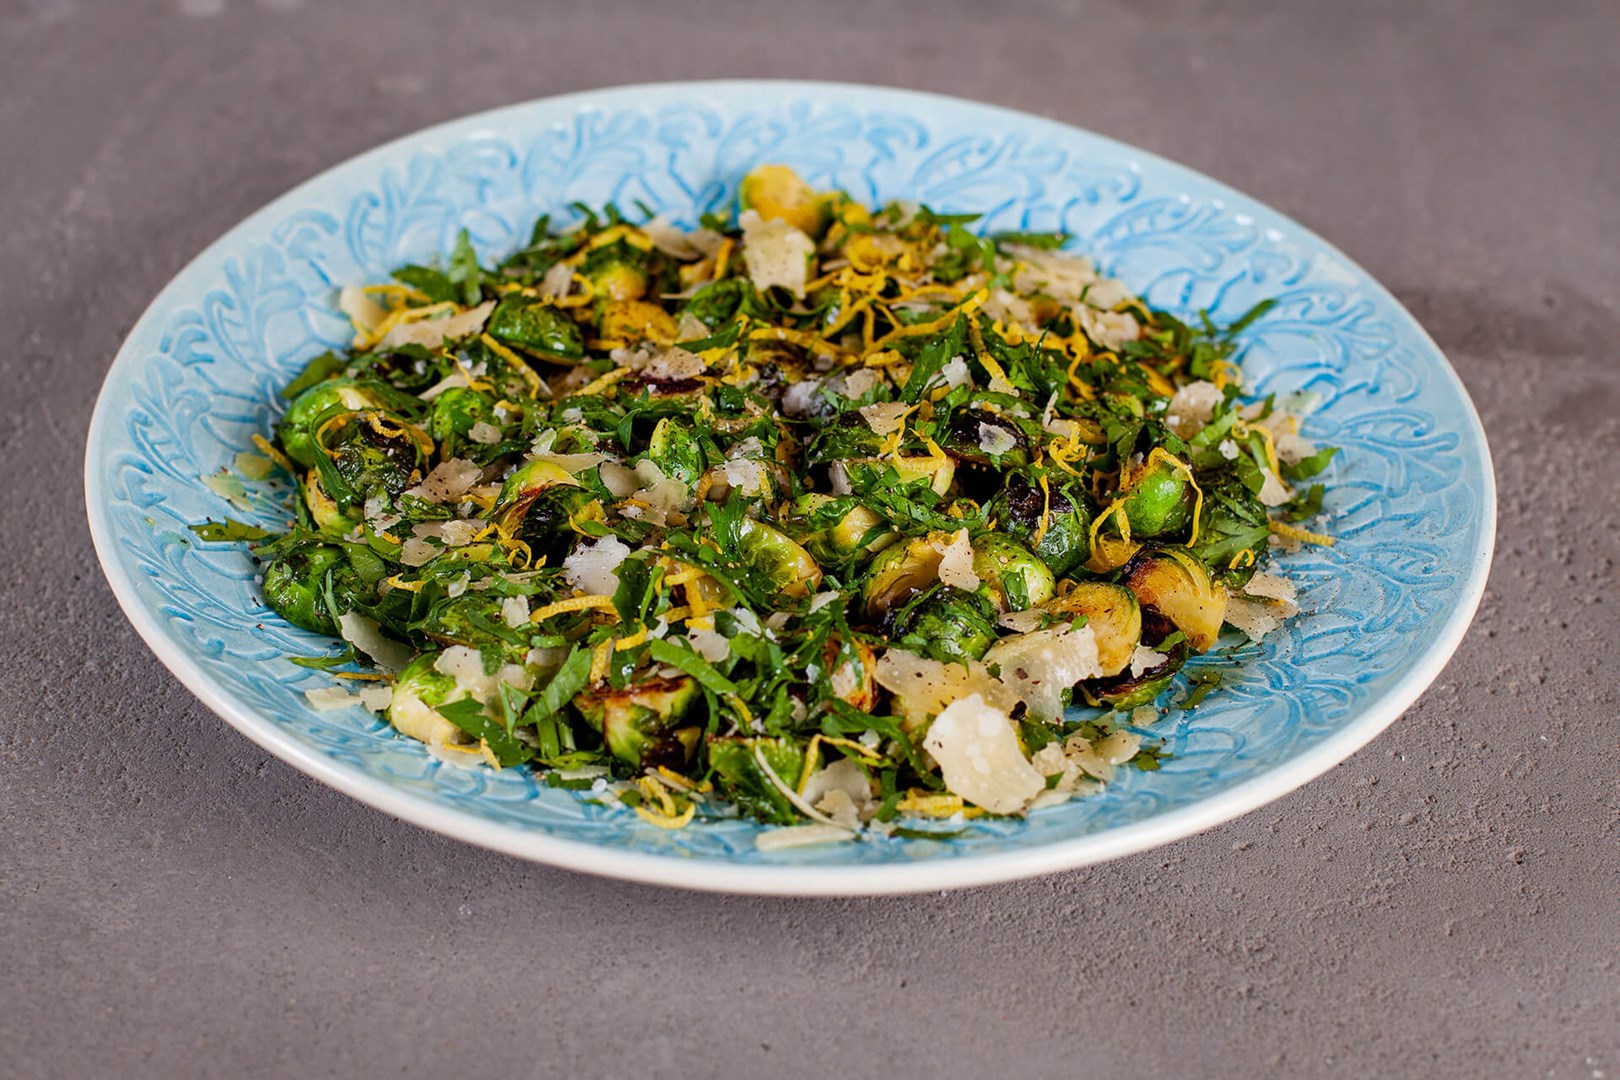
1411, 497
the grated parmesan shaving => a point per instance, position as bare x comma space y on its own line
776, 253
977, 751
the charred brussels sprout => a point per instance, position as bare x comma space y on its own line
776, 192
947, 624
1174, 583
776, 558
985, 438
739, 773
898, 574
1066, 543
298, 582
1112, 613
1158, 498
1128, 691
374, 451
535, 505
1014, 577
324, 512
649, 724
537, 327
311, 408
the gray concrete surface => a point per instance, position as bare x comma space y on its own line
1447, 903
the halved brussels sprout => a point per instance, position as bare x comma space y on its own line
537, 327
776, 191
1158, 499
374, 450
646, 724
973, 433
635, 320
296, 430
295, 583
715, 303
1174, 583
534, 506
471, 619
777, 559
456, 411
621, 271
738, 774
1114, 616
939, 472
531, 479
1128, 692
845, 438
897, 574
418, 692
676, 453
1015, 578
846, 536
329, 518
1017, 510
947, 624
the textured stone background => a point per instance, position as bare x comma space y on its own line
1447, 903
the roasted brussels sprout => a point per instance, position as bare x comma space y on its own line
1066, 543
418, 692
984, 437
455, 412
1174, 583
776, 559
621, 271
1013, 576
1113, 615
1159, 499
715, 303
896, 575
537, 327
737, 772
676, 453
298, 581
373, 451
535, 505
311, 408
424, 691
328, 517
635, 320
859, 530
946, 624
647, 724
775, 191
1127, 691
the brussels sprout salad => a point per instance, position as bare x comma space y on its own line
832, 516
